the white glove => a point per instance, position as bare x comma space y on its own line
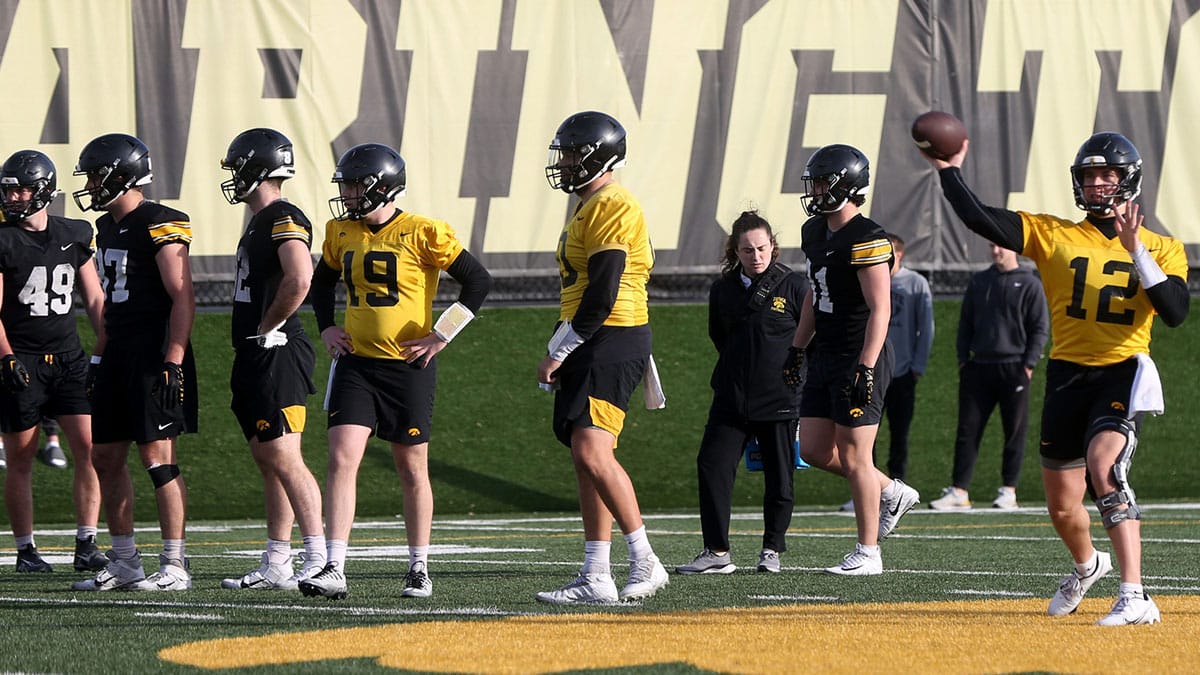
271, 339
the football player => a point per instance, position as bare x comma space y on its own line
386, 370
1105, 278
841, 343
143, 376
273, 358
44, 259
600, 350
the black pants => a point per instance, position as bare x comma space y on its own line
898, 405
717, 463
981, 386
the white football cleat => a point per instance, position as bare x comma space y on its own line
1073, 586
859, 563
172, 575
329, 582
646, 576
118, 575
904, 498
1131, 609
417, 583
585, 589
266, 577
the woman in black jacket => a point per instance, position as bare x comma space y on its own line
753, 309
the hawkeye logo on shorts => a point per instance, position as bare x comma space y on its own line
413, 431
856, 412
779, 304
262, 425
1117, 405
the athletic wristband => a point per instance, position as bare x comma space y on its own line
1147, 268
95, 359
564, 341
452, 321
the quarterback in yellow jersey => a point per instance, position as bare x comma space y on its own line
1105, 278
600, 350
386, 370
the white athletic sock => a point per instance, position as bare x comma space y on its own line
639, 544
24, 540
596, 557
337, 552
85, 531
123, 546
1085, 568
315, 549
872, 551
173, 549
279, 553
1132, 589
418, 554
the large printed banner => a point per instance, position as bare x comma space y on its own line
723, 100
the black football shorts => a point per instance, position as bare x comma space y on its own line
389, 396
123, 405
595, 396
56, 387
825, 389
271, 387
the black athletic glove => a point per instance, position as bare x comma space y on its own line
89, 384
861, 386
793, 368
168, 387
16, 378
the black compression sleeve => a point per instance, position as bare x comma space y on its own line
604, 280
475, 280
994, 224
1171, 300
321, 294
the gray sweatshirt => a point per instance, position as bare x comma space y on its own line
910, 330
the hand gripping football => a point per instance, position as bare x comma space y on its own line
938, 134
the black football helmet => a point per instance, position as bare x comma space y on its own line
28, 169
586, 145
378, 169
254, 156
845, 172
119, 162
1113, 150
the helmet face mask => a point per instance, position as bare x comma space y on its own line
1106, 150
113, 163
30, 176
586, 146
368, 176
254, 156
833, 176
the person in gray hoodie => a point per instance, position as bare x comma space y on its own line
1003, 327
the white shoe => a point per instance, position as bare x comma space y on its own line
859, 563
172, 575
709, 563
1132, 609
265, 577
417, 583
904, 498
118, 575
1073, 586
308, 569
952, 499
848, 507
329, 582
645, 578
584, 589
768, 561
1006, 498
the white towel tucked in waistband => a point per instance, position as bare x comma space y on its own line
1147, 396
652, 390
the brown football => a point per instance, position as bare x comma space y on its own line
938, 134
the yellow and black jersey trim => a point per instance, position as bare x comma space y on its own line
871, 252
286, 227
171, 232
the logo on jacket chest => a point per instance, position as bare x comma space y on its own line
779, 304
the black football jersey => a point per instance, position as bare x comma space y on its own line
834, 259
40, 269
258, 268
136, 303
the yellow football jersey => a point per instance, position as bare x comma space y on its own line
1099, 312
611, 219
391, 278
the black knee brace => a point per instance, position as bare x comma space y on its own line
161, 474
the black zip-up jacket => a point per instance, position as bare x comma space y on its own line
752, 345
1004, 318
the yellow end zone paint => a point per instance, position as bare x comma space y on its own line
931, 637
